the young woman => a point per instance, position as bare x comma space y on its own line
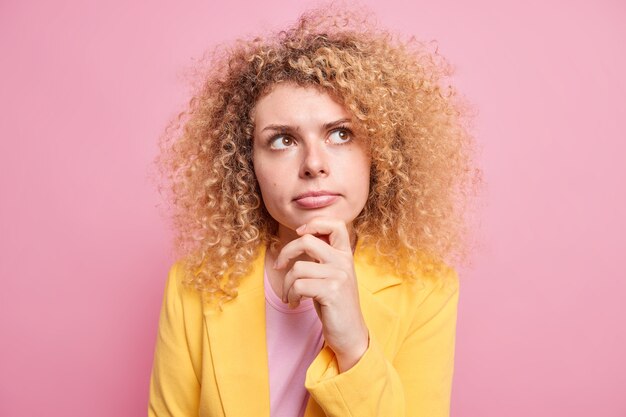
318, 179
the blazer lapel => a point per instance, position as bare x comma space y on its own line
238, 347
378, 316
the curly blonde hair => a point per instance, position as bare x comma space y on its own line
422, 171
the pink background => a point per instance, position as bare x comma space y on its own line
86, 89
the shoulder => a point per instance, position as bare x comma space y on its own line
440, 280
440, 292
434, 286
428, 277
174, 285
178, 290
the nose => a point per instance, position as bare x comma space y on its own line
314, 162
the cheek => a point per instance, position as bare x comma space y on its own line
268, 181
269, 185
358, 174
272, 174
365, 183
260, 172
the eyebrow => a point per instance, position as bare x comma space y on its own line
283, 128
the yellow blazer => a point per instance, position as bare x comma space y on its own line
214, 364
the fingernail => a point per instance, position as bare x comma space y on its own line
301, 228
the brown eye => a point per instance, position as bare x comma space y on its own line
340, 136
281, 142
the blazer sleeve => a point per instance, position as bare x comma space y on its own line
175, 382
416, 383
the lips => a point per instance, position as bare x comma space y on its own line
316, 199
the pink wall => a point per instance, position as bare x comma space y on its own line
86, 89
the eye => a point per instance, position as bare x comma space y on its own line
281, 142
340, 136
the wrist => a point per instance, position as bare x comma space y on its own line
347, 359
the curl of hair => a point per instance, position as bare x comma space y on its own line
422, 173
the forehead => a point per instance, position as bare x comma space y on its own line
291, 104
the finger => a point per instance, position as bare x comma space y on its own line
306, 244
338, 235
309, 288
305, 270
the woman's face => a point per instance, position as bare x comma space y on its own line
306, 159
